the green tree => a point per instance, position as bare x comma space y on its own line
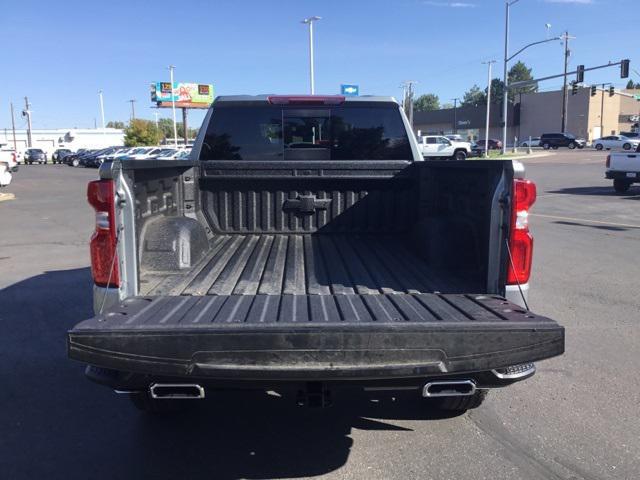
497, 90
446, 106
166, 128
631, 85
426, 103
141, 132
473, 97
520, 73
116, 124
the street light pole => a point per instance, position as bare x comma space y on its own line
486, 128
565, 97
173, 108
455, 115
505, 80
101, 108
309, 21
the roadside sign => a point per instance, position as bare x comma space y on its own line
350, 90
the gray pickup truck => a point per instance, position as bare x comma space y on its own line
305, 246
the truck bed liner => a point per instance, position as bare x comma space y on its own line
312, 264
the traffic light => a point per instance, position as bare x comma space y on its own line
574, 88
594, 90
612, 91
580, 74
624, 68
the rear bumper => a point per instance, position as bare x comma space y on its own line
491, 334
623, 175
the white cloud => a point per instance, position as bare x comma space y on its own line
580, 2
450, 4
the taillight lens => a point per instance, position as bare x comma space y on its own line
104, 261
520, 239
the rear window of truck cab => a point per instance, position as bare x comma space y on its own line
277, 132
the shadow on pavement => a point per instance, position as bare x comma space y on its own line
611, 228
596, 191
56, 424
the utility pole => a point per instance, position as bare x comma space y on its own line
133, 108
173, 107
156, 115
13, 127
184, 126
505, 79
407, 101
27, 113
455, 114
565, 97
309, 21
486, 128
101, 109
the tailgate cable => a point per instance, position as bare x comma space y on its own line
513, 267
113, 264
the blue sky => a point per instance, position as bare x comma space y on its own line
60, 53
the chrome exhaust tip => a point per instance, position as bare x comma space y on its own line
451, 388
176, 391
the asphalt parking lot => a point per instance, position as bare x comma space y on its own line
576, 419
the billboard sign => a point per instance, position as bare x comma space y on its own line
196, 94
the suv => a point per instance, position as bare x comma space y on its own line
34, 155
555, 140
59, 154
438, 147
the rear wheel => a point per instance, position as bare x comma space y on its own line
459, 404
621, 186
627, 146
460, 155
599, 146
75, 162
571, 146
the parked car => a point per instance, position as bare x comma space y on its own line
616, 141
59, 154
440, 147
144, 153
494, 144
337, 260
35, 155
76, 159
5, 174
557, 140
535, 142
630, 134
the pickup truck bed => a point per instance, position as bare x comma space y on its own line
306, 265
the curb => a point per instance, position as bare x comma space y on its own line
6, 196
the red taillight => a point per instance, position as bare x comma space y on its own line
608, 162
104, 261
306, 99
520, 240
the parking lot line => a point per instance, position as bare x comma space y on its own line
584, 220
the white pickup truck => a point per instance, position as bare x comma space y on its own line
624, 169
8, 164
436, 147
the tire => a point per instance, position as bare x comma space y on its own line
626, 146
571, 146
143, 402
599, 147
75, 162
546, 146
460, 155
621, 186
555, 147
459, 404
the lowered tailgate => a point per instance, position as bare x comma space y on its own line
314, 336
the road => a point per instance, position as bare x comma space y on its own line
576, 419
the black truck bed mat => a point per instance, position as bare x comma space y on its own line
314, 336
312, 264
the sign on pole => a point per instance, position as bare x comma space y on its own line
349, 90
189, 95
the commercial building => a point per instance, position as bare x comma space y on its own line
73, 139
588, 116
